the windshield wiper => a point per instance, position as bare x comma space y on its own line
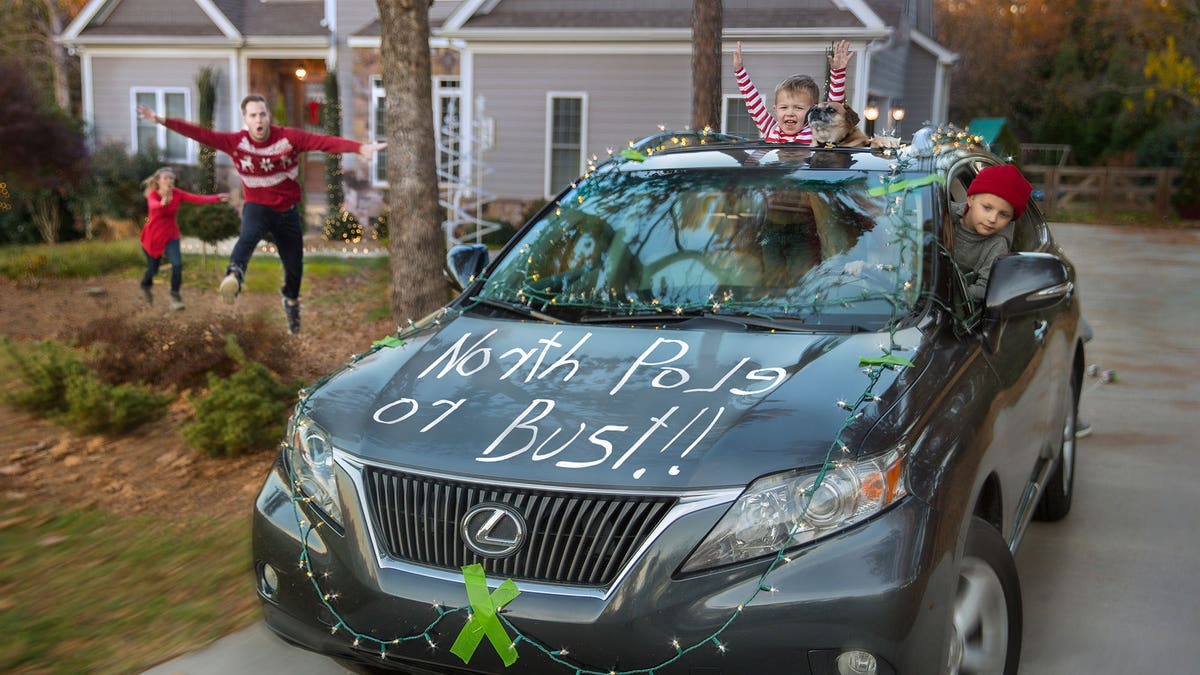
744, 320
521, 310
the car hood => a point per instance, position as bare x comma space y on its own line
601, 406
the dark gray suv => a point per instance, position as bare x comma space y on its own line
721, 407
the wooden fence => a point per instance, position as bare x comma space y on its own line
1103, 188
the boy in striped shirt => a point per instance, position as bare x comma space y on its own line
793, 97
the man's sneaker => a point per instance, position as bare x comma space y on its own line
291, 309
147, 295
230, 287
176, 302
1082, 429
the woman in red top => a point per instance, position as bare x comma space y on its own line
160, 235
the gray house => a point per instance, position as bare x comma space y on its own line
525, 91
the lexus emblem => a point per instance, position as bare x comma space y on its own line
493, 530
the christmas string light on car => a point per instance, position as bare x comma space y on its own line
823, 495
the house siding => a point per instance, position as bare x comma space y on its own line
921, 78
628, 92
115, 77
628, 97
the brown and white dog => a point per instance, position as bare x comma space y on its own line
836, 125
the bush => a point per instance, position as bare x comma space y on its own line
115, 186
242, 413
209, 223
44, 369
95, 407
343, 226
379, 228
181, 353
58, 385
1186, 198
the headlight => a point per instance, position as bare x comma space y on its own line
310, 455
786, 510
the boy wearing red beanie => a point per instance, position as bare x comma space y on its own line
983, 228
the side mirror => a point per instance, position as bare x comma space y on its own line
1021, 283
465, 262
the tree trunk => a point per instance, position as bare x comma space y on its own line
416, 246
59, 65
707, 24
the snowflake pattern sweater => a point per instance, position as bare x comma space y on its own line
268, 169
162, 227
767, 126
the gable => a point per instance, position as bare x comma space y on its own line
142, 20
152, 17
282, 17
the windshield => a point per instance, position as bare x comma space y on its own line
819, 246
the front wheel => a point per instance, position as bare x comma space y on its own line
986, 631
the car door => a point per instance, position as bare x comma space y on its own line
1021, 419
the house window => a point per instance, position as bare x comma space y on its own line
447, 113
147, 136
447, 110
378, 131
735, 119
566, 119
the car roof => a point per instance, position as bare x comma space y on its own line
929, 149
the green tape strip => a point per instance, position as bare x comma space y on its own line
888, 361
910, 184
484, 607
630, 153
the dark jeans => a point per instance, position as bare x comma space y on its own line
173, 256
285, 229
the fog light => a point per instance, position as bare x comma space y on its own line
268, 580
856, 662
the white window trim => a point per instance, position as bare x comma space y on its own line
439, 90
378, 92
726, 101
548, 190
190, 154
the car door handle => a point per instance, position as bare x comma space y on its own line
1039, 331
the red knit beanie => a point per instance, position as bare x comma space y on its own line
1004, 181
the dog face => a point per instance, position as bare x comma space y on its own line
835, 124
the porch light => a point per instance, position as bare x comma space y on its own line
871, 112
897, 115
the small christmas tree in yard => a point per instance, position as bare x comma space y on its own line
209, 223
339, 223
206, 85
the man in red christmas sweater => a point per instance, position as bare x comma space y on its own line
267, 158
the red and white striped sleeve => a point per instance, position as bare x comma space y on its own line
755, 105
837, 85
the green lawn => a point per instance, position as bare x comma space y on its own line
93, 592
88, 591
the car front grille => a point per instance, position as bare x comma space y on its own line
573, 538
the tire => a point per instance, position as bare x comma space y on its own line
1055, 503
985, 633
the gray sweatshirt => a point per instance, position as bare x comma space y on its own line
974, 253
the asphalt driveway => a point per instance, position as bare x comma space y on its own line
1113, 588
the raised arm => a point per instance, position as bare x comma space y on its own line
750, 96
838, 61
